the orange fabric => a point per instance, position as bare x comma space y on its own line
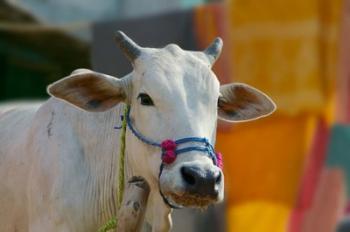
263, 159
343, 83
210, 21
248, 217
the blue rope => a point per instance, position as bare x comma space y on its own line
206, 147
137, 134
192, 139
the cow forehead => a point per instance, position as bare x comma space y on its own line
176, 67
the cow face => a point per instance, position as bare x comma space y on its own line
173, 94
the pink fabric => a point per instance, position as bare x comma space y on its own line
311, 176
347, 209
327, 204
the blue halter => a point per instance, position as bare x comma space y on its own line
204, 144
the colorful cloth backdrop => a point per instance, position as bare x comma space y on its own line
275, 168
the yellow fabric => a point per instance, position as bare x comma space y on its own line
263, 159
257, 217
287, 49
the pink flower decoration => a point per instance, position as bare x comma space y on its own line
169, 157
168, 145
219, 160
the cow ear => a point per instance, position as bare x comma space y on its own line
90, 91
241, 102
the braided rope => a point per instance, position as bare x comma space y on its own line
112, 223
121, 174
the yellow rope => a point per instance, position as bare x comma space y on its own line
112, 223
121, 179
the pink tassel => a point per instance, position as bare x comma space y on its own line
219, 160
168, 157
169, 147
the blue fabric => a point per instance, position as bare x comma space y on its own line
339, 151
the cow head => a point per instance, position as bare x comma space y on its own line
173, 94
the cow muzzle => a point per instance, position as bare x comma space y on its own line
201, 182
192, 184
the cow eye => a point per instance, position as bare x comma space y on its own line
145, 99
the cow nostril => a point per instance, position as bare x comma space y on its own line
188, 176
218, 178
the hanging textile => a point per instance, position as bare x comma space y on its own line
311, 174
248, 217
339, 151
343, 83
264, 159
210, 21
327, 204
287, 49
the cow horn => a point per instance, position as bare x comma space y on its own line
130, 49
213, 51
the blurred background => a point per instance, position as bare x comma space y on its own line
287, 173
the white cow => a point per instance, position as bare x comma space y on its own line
59, 163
